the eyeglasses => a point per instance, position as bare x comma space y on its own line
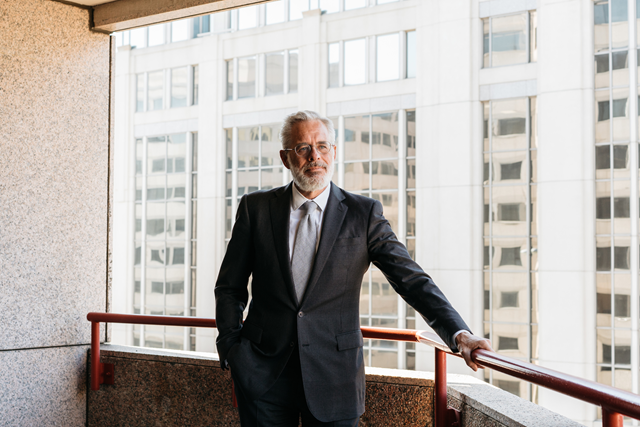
303, 150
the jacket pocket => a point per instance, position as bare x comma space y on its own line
349, 340
251, 332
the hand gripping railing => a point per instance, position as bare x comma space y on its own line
615, 403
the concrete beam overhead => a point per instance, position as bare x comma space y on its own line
127, 14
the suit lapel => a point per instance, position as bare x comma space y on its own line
331, 225
280, 210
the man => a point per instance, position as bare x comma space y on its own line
307, 246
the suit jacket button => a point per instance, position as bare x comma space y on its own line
300, 314
292, 344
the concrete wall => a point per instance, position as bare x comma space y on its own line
165, 387
54, 147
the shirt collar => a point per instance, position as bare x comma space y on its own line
298, 199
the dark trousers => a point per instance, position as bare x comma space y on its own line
284, 404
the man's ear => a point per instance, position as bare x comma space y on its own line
284, 158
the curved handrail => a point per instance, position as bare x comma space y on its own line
592, 392
611, 399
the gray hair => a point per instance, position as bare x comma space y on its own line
286, 133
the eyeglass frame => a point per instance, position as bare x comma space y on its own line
294, 149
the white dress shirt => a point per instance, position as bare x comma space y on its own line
296, 214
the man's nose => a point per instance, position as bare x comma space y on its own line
314, 154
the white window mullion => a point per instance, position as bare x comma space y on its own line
143, 249
234, 173
341, 65
187, 238
634, 195
235, 78
286, 72
403, 55
340, 143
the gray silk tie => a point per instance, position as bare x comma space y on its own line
304, 249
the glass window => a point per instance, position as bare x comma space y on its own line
355, 62
179, 87
387, 57
137, 37
247, 77
509, 40
274, 73
201, 25
533, 36
180, 30
296, 7
140, 92
330, 6
386, 1
293, 71
155, 91
334, 65
247, 17
156, 35
275, 12
411, 54
196, 85
354, 4
230, 79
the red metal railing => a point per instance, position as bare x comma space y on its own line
615, 403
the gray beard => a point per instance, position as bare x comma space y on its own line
314, 183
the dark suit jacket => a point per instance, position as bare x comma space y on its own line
325, 326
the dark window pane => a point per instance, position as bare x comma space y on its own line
509, 211
487, 299
157, 288
621, 207
623, 355
620, 156
621, 257
178, 256
603, 208
619, 60
487, 257
511, 256
509, 299
603, 157
602, 63
175, 287
510, 170
603, 259
622, 304
507, 343
606, 353
603, 303
512, 126
155, 226
620, 107
603, 111
138, 255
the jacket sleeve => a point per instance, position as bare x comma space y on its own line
409, 280
231, 292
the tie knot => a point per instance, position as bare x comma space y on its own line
309, 207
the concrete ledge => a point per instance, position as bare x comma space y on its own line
170, 387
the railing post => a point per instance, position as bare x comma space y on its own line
441, 388
611, 419
95, 356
